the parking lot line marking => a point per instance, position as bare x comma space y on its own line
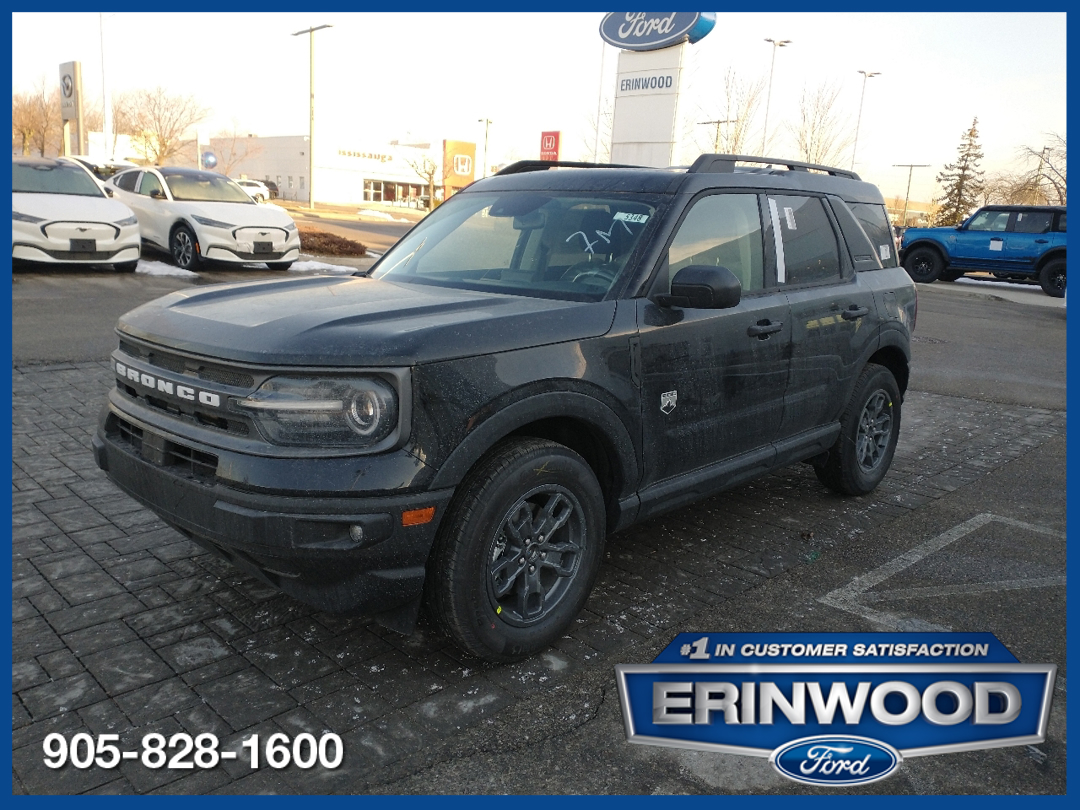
851, 598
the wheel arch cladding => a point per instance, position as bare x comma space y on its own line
1050, 256
580, 422
894, 359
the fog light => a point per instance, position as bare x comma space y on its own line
356, 532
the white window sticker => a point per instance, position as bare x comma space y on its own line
778, 242
621, 215
995, 244
789, 215
885, 253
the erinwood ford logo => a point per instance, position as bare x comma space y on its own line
836, 708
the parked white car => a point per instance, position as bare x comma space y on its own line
256, 190
60, 215
198, 215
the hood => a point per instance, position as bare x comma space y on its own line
70, 207
238, 213
352, 321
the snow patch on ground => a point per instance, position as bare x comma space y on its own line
320, 267
152, 268
364, 212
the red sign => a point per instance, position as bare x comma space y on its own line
549, 145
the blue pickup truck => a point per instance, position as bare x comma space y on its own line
1009, 241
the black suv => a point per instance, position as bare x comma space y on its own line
554, 353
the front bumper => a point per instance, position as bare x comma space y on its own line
305, 546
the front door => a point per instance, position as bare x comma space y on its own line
713, 381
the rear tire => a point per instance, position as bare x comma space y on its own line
924, 265
869, 429
519, 550
1052, 278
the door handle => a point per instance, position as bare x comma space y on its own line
762, 329
1041, 241
853, 313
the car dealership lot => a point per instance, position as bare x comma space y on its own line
122, 626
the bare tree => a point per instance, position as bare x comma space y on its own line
1049, 177
822, 134
234, 148
596, 137
427, 170
24, 123
158, 121
734, 118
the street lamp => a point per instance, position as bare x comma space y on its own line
311, 111
487, 122
768, 96
911, 167
858, 120
716, 143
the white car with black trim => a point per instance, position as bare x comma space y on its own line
198, 215
256, 190
60, 215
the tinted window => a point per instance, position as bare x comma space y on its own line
126, 181
806, 248
53, 178
523, 243
204, 187
1032, 222
1061, 222
875, 222
150, 183
721, 230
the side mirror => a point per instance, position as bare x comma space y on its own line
701, 286
157, 194
108, 191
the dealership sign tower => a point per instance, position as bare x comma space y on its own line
644, 131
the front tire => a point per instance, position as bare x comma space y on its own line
282, 266
924, 265
1052, 278
516, 556
869, 429
126, 267
951, 275
184, 248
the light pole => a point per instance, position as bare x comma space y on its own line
910, 167
858, 120
311, 111
487, 122
716, 143
768, 96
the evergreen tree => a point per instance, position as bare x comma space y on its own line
962, 181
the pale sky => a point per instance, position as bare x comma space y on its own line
428, 77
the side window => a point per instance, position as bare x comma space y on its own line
875, 222
149, 183
1032, 222
722, 230
126, 181
989, 221
806, 247
1061, 223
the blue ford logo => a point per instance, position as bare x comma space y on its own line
835, 760
651, 30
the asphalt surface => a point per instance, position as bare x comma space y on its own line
122, 626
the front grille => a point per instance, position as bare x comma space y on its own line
212, 419
179, 364
162, 452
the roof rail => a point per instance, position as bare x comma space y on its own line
543, 165
726, 163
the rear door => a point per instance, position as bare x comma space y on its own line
1028, 238
834, 318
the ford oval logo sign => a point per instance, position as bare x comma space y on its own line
650, 30
835, 760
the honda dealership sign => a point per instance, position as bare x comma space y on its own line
651, 30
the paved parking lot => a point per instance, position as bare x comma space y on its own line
122, 626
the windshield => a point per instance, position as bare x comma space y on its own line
204, 187
523, 243
53, 178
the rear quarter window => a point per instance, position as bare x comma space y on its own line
875, 223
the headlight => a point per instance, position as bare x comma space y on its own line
17, 217
356, 412
291, 226
128, 221
211, 223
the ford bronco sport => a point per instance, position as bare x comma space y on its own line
554, 353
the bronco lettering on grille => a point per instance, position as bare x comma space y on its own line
168, 387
